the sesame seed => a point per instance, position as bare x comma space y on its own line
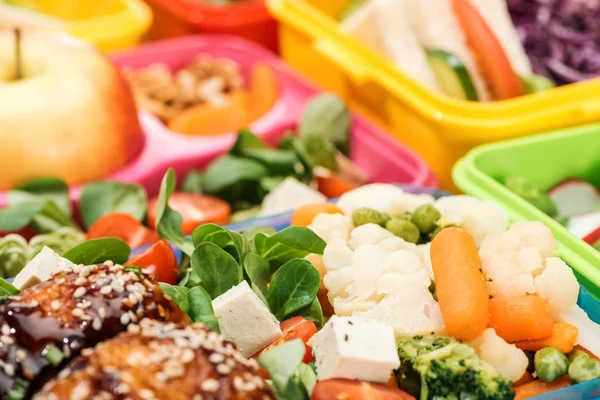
5, 330
106, 289
238, 384
210, 385
87, 352
21, 355
133, 328
216, 358
55, 304
102, 312
223, 369
97, 324
80, 292
64, 373
124, 319
7, 340
146, 394
85, 304
78, 312
187, 356
66, 350
80, 281
9, 369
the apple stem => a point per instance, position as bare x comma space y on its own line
18, 64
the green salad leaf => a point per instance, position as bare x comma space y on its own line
52, 189
178, 294
168, 225
6, 290
195, 302
259, 273
246, 140
223, 176
201, 309
193, 182
217, 269
283, 363
293, 287
42, 204
292, 242
313, 313
96, 251
101, 198
327, 116
222, 238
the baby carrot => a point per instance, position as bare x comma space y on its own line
518, 318
304, 215
537, 388
461, 288
563, 337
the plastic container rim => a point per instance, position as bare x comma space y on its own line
426, 101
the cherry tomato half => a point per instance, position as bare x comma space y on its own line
195, 210
489, 54
124, 227
159, 260
347, 389
295, 328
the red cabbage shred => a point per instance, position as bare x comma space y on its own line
561, 37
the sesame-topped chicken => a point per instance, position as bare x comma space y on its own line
47, 325
154, 360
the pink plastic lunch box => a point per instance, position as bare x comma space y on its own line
379, 155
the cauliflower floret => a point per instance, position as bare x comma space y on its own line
317, 261
557, 284
518, 262
424, 253
389, 285
522, 235
382, 197
368, 234
395, 243
507, 359
589, 331
329, 226
481, 218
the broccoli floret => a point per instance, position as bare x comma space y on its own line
409, 348
448, 370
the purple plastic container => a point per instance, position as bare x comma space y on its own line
376, 152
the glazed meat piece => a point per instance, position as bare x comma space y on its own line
160, 361
47, 325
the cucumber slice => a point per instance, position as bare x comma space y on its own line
536, 83
350, 7
452, 75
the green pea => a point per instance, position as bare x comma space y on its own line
365, 215
407, 216
583, 368
550, 363
425, 218
576, 354
404, 229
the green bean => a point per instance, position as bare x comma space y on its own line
583, 368
425, 217
403, 229
365, 215
550, 363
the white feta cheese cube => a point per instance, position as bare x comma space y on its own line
245, 320
40, 268
355, 348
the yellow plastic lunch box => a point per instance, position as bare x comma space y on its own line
108, 24
440, 128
